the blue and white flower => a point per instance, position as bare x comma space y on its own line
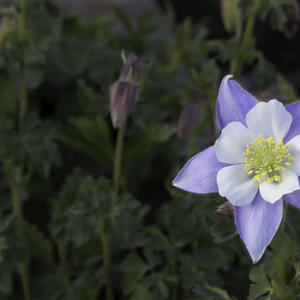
254, 163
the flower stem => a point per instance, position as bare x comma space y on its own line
25, 281
238, 61
63, 261
23, 92
118, 162
105, 237
280, 260
107, 261
14, 173
285, 208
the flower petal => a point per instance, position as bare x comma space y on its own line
236, 185
257, 224
270, 119
293, 198
271, 192
294, 149
294, 110
232, 143
233, 102
199, 173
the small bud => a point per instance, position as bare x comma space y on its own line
230, 14
123, 96
133, 69
292, 13
226, 209
124, 93
189, 119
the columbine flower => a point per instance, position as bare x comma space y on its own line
254, 163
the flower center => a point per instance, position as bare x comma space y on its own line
264, 159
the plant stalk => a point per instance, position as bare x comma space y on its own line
285, 208
118, 162
23, 92
238, 61
15, 173
105, 237
280, 260
107, 261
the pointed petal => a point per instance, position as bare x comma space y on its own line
294, 110
232, 143
270, 119
257, 224
293, 198
233, 102
294, 149
236, 185
271, 192
199, 173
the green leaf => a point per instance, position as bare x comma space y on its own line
39, 246
258, 275
283, 245
91, 136
35, 146
142, 292
223, 231
274, 9
288, 91
283, 292
218, 291
257, 291
134, 265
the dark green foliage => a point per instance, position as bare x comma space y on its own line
164, 243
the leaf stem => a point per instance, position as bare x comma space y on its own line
238, 61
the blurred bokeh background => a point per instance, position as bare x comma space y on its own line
101, 103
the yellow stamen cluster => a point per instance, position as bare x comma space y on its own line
264, 159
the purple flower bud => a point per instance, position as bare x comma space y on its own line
124, 92
226, 209
133, 69
123, 96
189, 119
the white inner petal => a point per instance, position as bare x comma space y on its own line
236, 185
232, 143
294, 149
271, 192
270, 119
